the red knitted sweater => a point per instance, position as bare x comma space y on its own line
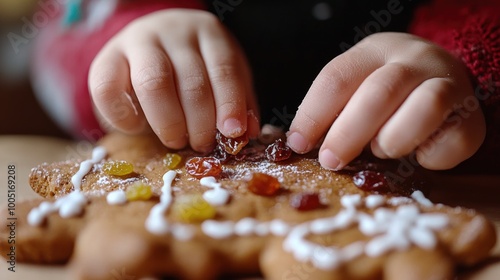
471, 31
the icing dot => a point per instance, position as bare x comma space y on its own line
116, 197
279, 227
433, 221
245, 226
422, 237
217, 196
216, 229
374, 201
421, 199
325, 258
351, 201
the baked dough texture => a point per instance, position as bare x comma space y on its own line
355, 234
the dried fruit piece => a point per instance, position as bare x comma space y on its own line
138, 191
200, 167
278, 151
305, 201
232, 145
253, 153
192, 208
220, 153
172, 160
263, 184
118, 168
369, 180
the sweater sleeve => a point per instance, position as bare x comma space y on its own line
471, 31
66, 47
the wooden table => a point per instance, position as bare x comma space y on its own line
476, 191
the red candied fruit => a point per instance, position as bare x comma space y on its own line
232, 145
305, 201
369, 180
200, 167
278, 151
263, 184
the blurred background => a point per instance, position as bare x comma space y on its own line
20, 112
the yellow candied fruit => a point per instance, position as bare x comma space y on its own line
192, 208
172, 160
138, 191
118, 168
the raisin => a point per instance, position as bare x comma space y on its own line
138, 191
278, 151
263, 184
220, 153
232, 145
118, 168
254, 153
369, 180
172, 160
200, 167
192, 208
305, 201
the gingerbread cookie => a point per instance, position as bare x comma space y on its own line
243, 210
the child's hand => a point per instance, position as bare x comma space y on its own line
181, 72
397, 92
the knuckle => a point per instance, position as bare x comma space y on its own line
151, 79
228, 107
193, 88
225, 69
171, 131
441, 95
104, 89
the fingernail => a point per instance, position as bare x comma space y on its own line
329, 160
232, 128
298, 143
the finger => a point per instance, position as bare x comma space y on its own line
229, 78
419, 116
194, 91
370, 107
457, 139
153, 81
328, 95
112, 94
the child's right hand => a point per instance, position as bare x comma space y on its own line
180, 72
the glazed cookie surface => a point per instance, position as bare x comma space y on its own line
135, 204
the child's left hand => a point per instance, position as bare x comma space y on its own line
398, 92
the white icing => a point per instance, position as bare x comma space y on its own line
278, 228
351, 201
98, 154
391, 229
374, 201
217, 196
117, 197
245, 226
399, 200
421, 199
156, 222
67, 206
218, 229
72, 204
